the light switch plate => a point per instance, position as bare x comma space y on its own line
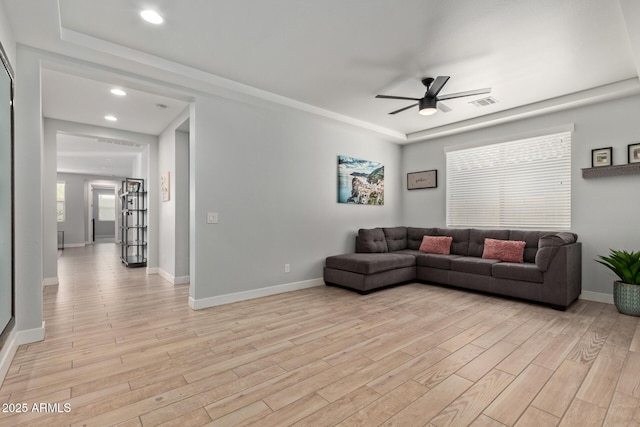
212, 217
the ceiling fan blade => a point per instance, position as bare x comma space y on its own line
402, 109
437, 86
397, 97
443, 107
467, 93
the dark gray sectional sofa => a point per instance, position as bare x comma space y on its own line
551, 272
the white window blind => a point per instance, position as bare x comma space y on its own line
522, 184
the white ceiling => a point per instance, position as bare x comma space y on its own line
332, 57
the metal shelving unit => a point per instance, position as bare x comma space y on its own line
133, 224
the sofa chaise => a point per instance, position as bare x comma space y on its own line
547, 267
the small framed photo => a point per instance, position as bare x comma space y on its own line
423, 179
601, 157
633, 153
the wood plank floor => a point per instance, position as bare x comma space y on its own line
123, 348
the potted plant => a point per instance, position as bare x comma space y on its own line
626, 291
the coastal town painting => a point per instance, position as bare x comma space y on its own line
360, 182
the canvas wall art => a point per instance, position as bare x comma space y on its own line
360, 182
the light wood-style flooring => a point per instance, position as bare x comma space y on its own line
123, 348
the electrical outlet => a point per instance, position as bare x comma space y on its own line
212, 217
287, 268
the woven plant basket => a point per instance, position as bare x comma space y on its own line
626, 297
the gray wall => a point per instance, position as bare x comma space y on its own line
173, 215
271, 174
604, 210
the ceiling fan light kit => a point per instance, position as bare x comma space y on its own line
428, 104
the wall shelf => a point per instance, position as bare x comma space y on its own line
615, 170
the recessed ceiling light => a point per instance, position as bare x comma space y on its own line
111, 118
152, 16
118, 92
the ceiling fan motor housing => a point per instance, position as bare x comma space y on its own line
427, 105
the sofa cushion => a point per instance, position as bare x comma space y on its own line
370, 263
477, 239
442, 262
460, 243
436, 245
527, 272
396, 238
415, 235
531, 239
473, 265
504, 250
371, 240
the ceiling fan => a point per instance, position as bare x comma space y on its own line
429, 103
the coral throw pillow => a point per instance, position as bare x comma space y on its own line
504, 250
436, 245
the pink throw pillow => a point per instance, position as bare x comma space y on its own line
436, 245
504, 250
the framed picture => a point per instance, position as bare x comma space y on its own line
165, 194
360, 182
601, 157
633, 153
423, 179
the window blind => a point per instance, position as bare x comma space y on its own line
523, 184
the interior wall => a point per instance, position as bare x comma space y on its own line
173, 159
603, 209
271, 175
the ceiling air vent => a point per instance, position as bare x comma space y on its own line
484, 102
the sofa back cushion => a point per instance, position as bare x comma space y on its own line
415, 235
371, 240
460, 243
477, 239
531, 239
396, 238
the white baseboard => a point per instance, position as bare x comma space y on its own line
180, 280
74, 245
14, 340
7, 352
197, 304
50, 281
597, 297
31, 335
153, 270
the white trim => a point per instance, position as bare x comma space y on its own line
254, 293
597, 297
74, 245
180, 280
7, 352
31, 335
14, 340
50, 281
153, 270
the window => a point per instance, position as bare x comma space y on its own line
60, 201
106, 207
518, 184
